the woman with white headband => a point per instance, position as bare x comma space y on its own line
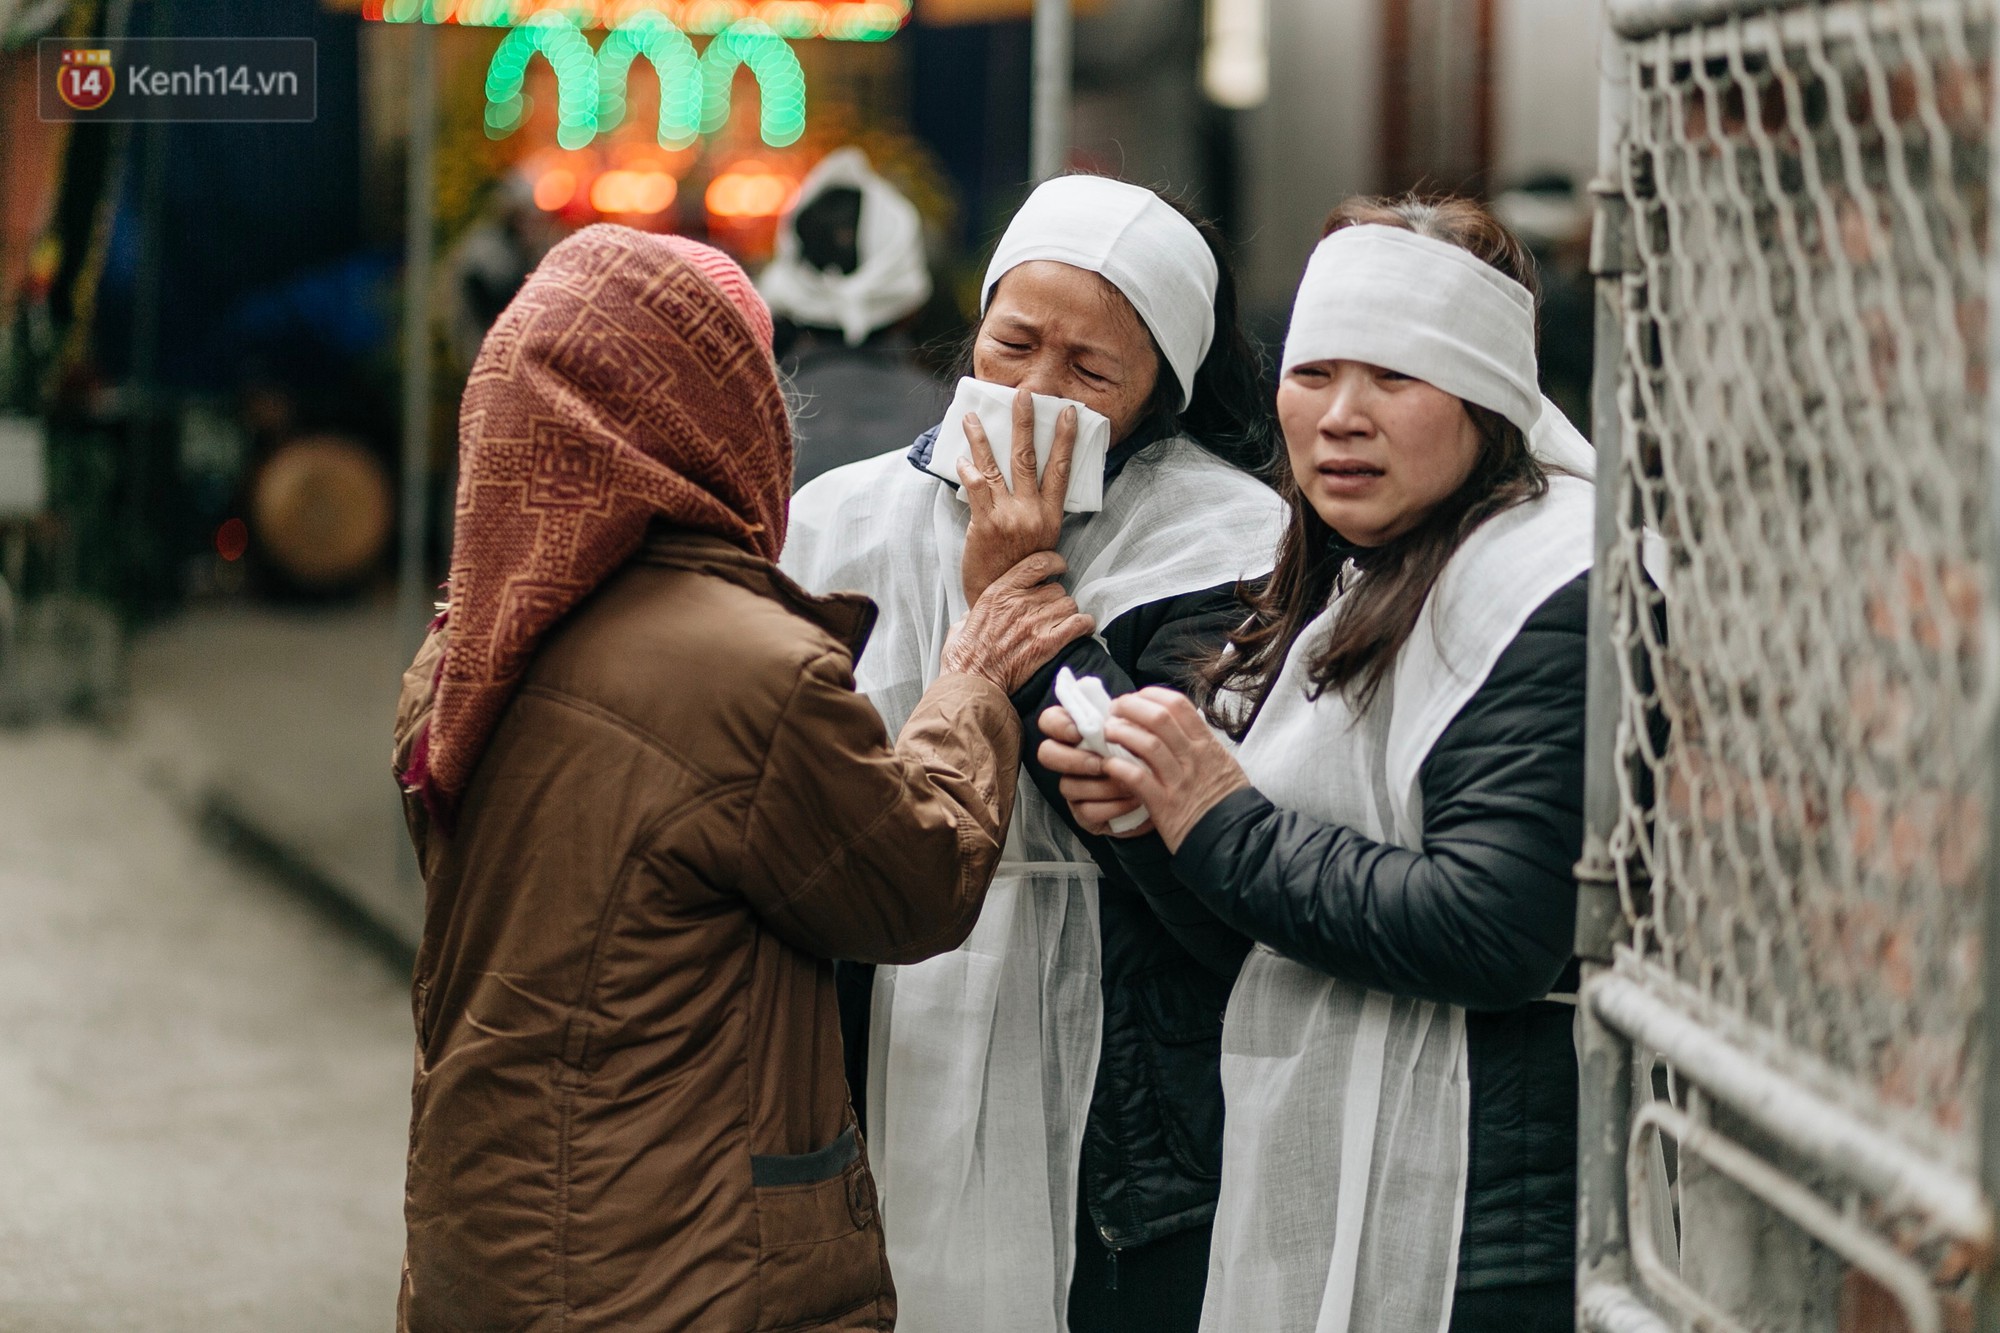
1396, 820
1043, 1106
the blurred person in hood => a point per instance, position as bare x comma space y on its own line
848, 275
649, 805
491, 261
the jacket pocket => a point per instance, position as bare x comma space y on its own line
810, 1168
1184, 1055
820, 1249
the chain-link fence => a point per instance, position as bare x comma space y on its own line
1798, 602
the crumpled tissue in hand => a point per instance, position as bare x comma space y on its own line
1088, 704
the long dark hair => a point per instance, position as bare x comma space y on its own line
1393, 580
1230, 413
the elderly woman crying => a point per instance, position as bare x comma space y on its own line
1043, 1103
649, 807
1382, 788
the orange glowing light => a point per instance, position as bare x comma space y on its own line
554, 189
633, 192
750, 189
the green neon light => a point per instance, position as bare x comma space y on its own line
651, 34
556, 39
876, 22
490, 13
834, 20
780, 82
694, 91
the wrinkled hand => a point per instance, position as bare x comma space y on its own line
1182, 768
1010, 524
1094, 799
1020, 622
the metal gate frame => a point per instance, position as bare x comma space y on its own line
1627, 1280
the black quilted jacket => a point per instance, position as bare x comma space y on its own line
1152, 1151
1152, 1148
1483, 918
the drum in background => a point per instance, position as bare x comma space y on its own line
322, 511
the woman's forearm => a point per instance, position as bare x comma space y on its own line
1160, 639
1463, 923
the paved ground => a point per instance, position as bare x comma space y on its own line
282, 717
203, 1090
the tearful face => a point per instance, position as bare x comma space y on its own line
1066, 332
1373, 451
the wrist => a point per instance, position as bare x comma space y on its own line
977, 574
1185, 823
991, 673
1208, 833
965, 658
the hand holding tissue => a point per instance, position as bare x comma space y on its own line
993, 404
1088, 704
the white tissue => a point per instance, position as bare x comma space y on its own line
994, 405
1088, 704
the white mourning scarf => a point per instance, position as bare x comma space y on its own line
1344, 1145
1138, 243
891, 280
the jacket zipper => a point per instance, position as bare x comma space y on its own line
1111, 1261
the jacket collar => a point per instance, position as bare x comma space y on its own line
847, 616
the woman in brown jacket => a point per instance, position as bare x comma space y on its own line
649, 806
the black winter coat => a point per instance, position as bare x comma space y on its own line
1152, 1149
1152, 1145
1482, 917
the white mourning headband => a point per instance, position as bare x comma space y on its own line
1138, 243
1423, 308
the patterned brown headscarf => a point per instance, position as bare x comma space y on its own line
630, 380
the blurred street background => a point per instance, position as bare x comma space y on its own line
230, 361
204, 1090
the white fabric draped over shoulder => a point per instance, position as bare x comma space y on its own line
892, 278
1344, 1154
982, 1060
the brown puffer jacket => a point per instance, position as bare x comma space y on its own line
629, 1109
